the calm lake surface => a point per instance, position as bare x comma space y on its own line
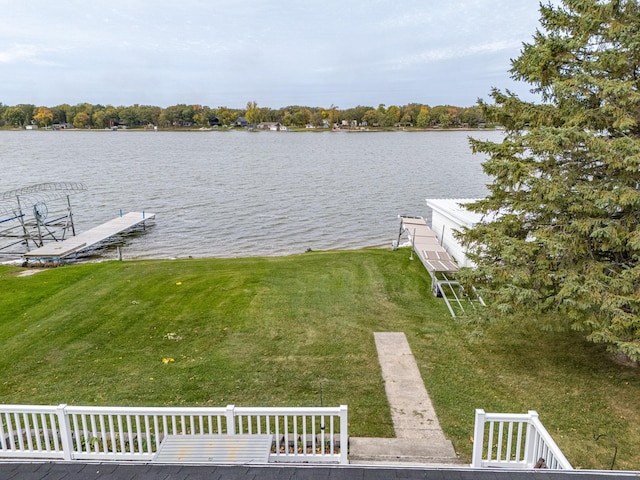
238, 193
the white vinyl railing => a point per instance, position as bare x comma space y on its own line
300, 434
514, 441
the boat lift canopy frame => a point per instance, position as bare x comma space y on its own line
35, 214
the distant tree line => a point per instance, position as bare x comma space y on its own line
86, 115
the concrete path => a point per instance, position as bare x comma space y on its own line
419, 438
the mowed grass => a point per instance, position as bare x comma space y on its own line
298, 330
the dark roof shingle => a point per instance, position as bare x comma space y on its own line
124, 471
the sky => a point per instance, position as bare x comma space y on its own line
277, 53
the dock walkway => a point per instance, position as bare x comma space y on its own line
438, 262
424, 242
55, 252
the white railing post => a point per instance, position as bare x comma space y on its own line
478, 438
65, 432
344, 435
547, 447
231, 419
530, 442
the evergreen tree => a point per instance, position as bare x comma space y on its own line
561, 240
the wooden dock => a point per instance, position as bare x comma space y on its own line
56, 251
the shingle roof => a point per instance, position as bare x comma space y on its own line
115, 471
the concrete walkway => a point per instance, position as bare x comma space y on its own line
419, 438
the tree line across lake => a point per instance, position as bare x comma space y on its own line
86, 115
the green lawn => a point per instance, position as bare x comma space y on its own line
278, 330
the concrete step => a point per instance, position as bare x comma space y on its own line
401, 450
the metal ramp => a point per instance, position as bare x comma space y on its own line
455, 296
440, 265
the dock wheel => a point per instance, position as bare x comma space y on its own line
40, 210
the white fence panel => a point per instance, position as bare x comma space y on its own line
514, 441
28, 431
314, 434
135, 433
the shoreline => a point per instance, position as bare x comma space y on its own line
19, 262
245, 129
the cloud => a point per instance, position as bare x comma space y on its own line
276, 52
17, 53
432, 55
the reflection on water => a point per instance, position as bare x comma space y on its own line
243, 194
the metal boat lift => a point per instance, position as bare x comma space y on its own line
35, 214
440, 265
36, 223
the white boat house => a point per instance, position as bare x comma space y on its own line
448, 216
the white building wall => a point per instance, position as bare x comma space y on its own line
448, 216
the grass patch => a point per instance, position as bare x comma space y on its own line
275, 331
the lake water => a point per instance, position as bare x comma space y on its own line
239, 193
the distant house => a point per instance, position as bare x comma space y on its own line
241, 122
272, 126
268, 126
214, 122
